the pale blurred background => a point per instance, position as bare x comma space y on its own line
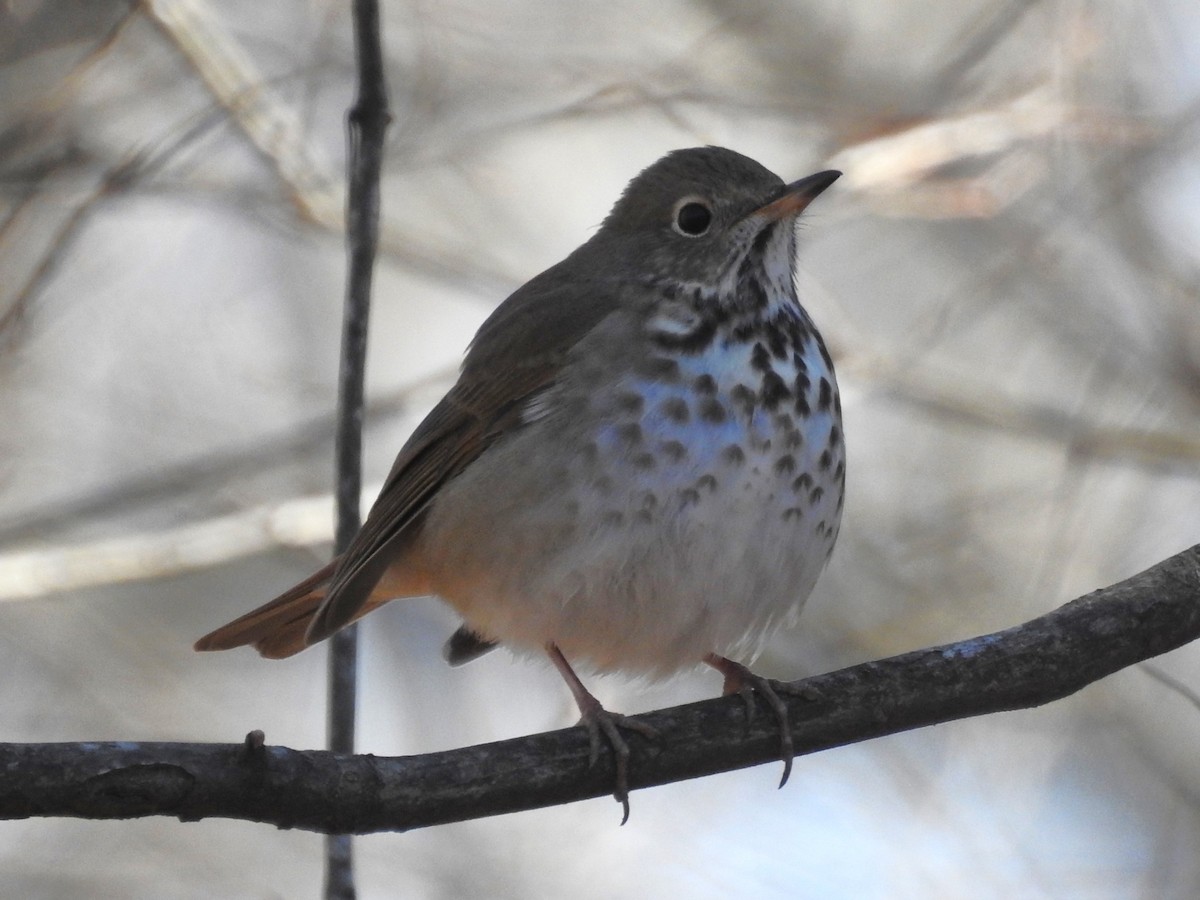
1007, 276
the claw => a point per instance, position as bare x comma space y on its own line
596, 719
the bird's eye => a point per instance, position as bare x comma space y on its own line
692, 218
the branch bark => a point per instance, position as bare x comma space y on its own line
1035, 663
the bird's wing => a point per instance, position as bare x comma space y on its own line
517, 353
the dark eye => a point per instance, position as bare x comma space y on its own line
693, 218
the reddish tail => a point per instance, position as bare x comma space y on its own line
280, 628
276, 630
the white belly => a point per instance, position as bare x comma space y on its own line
644, 543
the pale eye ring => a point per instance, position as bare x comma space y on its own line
692, 217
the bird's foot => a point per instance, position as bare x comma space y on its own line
741, 681
599, 721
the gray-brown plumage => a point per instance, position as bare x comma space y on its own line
641, 465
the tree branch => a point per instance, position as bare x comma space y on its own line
1043, 660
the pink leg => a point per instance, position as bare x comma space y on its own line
596, 719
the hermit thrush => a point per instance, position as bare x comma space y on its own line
640, 467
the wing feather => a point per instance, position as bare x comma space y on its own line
517, 353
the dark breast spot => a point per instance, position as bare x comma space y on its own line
744, 398
825, 354
777, 342
673, 450
645, 461
630, 432
760, 359
743, 332
825, 395
774, 390
711, 410
675, 409
630, 402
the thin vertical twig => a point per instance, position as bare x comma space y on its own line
366, 125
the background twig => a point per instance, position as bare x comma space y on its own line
367, 123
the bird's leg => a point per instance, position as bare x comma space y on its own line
740, 680
596, 719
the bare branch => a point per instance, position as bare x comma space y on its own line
274, 129
1043, 660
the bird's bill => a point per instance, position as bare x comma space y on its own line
796, 196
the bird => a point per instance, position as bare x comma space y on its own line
641, 466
